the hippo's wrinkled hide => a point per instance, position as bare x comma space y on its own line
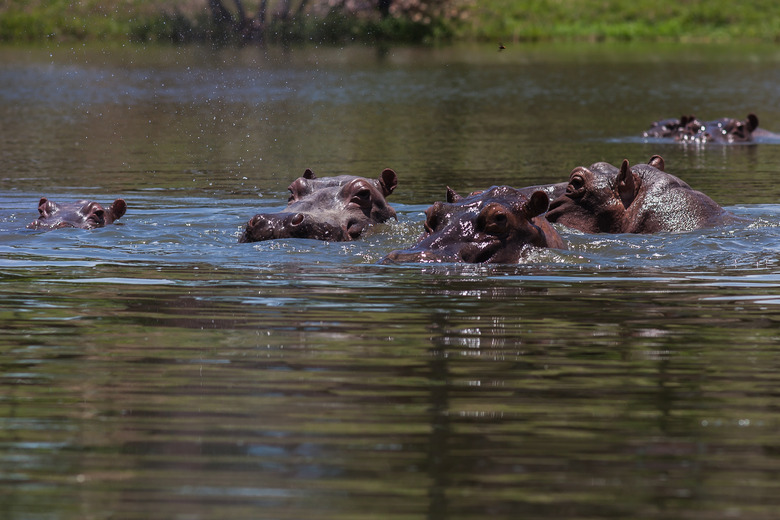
331, 208
638, 199
497, 225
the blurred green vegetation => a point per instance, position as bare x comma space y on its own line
413, 21
618, 20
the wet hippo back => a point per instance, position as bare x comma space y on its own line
638, 199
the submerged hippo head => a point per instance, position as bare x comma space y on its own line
83, 214
638, 199
332, 208
690, 129
495, 226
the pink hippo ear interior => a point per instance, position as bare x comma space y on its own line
536, 205
657, 162
626, 184
117, 209
388, 180
308, 174
452, 195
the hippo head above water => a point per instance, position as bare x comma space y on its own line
83, 214
497, 225
638, 199
690, 129
331, 208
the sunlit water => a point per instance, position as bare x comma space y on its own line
157, 368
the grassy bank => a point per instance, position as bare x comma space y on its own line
409, 21
645, 20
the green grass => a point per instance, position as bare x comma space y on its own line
646, 20
508, 20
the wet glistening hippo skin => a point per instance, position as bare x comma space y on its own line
331, 208
690, 129
83, 214
633, 199
498, 225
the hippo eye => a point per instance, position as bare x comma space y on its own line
493, 219
364, 194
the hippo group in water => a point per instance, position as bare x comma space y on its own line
83, 214
725, 130
501, 224
329, 208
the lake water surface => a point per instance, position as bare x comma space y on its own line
158, 369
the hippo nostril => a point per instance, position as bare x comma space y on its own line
297, 219
354, 229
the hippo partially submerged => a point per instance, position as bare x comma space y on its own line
498, 225
83, 214
690, 129
331, 208
638, 199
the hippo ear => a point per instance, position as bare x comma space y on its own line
752, 122
626, 184
117, 209
308, 174
41, 204
536, 205
388, 180
452, 195
657, 162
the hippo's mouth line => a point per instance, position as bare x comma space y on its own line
482, 251
93, 222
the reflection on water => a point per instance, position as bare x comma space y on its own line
158, 369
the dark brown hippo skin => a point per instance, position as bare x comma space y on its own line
497, 225
690, 129
633, 199
331, 208
83, 214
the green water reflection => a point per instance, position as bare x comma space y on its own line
395, 396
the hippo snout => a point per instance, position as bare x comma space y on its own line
267, 227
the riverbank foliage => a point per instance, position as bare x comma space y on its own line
412, 21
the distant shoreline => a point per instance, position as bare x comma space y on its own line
713, 21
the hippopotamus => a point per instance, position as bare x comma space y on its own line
498, 225
329, 208
690, 129
633, 199
83, 214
